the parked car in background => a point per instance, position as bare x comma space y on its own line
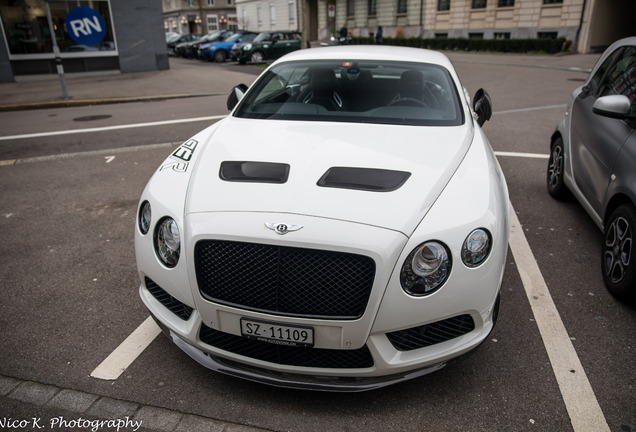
219, 51
268, 46
176, 40
170, 35
593, 157
344, 228
190, 49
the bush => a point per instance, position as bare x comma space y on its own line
549, 46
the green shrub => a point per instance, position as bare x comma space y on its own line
549, 46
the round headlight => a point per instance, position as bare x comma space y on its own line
168, 242
426, 269
476, 247
247, 47
144, 217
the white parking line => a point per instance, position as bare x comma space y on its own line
128, 351
580, 400
109, 128
539, 108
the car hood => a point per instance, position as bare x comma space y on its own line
380, 175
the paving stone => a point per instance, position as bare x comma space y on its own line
7, 384
192, 423
111, 409
159, 419
73, 400
34, 393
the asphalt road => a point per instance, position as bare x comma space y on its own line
70, 284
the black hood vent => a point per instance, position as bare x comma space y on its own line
254, 172
366, 179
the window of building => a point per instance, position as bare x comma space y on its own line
27, 31
502, 35
552, 1
475, 35
272, 14
259, 14
443, 5
505, 3
210, 2
213, 23
232, 22
351, 8
479, 4
373, 7
441, 35
291, 9
402, 7
547, 35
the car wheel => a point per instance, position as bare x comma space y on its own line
618, 265
257, 57
220, 56
556, 166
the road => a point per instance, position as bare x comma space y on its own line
69, 281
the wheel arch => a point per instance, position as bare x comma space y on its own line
616, 201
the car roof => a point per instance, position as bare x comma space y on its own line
370, 52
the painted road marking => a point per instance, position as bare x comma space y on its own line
128, 351
109, 128
580, 400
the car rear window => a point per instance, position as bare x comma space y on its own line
355, 91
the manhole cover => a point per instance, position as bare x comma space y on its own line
93, 117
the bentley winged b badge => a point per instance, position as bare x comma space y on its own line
282, 228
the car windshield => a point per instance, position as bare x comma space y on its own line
235, 37
366, 91
211, 37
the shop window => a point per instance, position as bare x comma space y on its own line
27, 30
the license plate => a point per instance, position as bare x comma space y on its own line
277, 333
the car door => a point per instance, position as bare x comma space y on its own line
597, 140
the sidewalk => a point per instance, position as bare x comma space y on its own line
191, 78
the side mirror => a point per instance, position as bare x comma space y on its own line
482, 105
235, 96
614, 106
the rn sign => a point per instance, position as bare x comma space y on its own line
85, 26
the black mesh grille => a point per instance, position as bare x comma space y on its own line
431, 334
172, 304
285, 355
284, 280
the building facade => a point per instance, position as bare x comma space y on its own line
199, 16
132, 38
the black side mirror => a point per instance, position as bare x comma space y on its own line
482, 105
235, 96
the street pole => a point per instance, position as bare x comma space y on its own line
56, 52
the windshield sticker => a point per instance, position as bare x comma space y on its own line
179, 160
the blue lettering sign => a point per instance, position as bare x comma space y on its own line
85, 26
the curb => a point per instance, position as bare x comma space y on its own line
103, 413
84, 102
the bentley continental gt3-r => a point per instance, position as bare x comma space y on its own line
344, 228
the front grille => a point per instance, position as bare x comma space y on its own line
286, 355
181, 310
284, 280
431, 334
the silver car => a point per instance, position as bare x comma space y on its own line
593, 157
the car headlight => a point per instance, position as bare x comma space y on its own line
247, 47
167, 242
476, 247
144, 217
426, 269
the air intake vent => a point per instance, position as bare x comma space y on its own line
367, 179
254, 172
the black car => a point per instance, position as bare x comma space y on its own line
176, 40
267, 46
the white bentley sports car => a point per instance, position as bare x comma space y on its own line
344, 228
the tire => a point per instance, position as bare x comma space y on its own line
257, 57
618, 262
556, 167
220, 56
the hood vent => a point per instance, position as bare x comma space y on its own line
254, 172
367, 179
